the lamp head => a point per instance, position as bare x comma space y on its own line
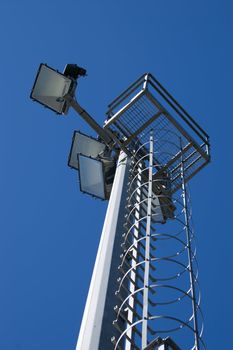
74, 71
51, 86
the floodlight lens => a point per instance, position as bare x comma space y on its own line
91, 176
85, 145
49, 88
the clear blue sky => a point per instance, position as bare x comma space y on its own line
49, 231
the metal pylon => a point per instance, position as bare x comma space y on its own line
146, 260
144, 293
157, 293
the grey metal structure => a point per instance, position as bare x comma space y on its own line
145, 105
144, 291
163, 344
152, 289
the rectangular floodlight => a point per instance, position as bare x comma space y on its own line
85, 145
91, 175
49, 88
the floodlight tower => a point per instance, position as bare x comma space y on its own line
144, 291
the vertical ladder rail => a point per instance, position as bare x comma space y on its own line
147, 246
189, 248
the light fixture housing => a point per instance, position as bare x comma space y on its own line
74, 71
85, 145
50, 87
95, 165
91, 176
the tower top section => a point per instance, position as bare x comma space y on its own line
147, 105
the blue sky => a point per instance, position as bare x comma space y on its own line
49, 231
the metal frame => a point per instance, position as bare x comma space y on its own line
189, 249
145, 82
162, 147
138, 287
130, 109
145, 311
168, 344
141, 216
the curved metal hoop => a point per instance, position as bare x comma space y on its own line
172, 271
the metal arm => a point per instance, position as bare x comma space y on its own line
89, 120
106, 135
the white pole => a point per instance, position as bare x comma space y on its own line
89, 335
